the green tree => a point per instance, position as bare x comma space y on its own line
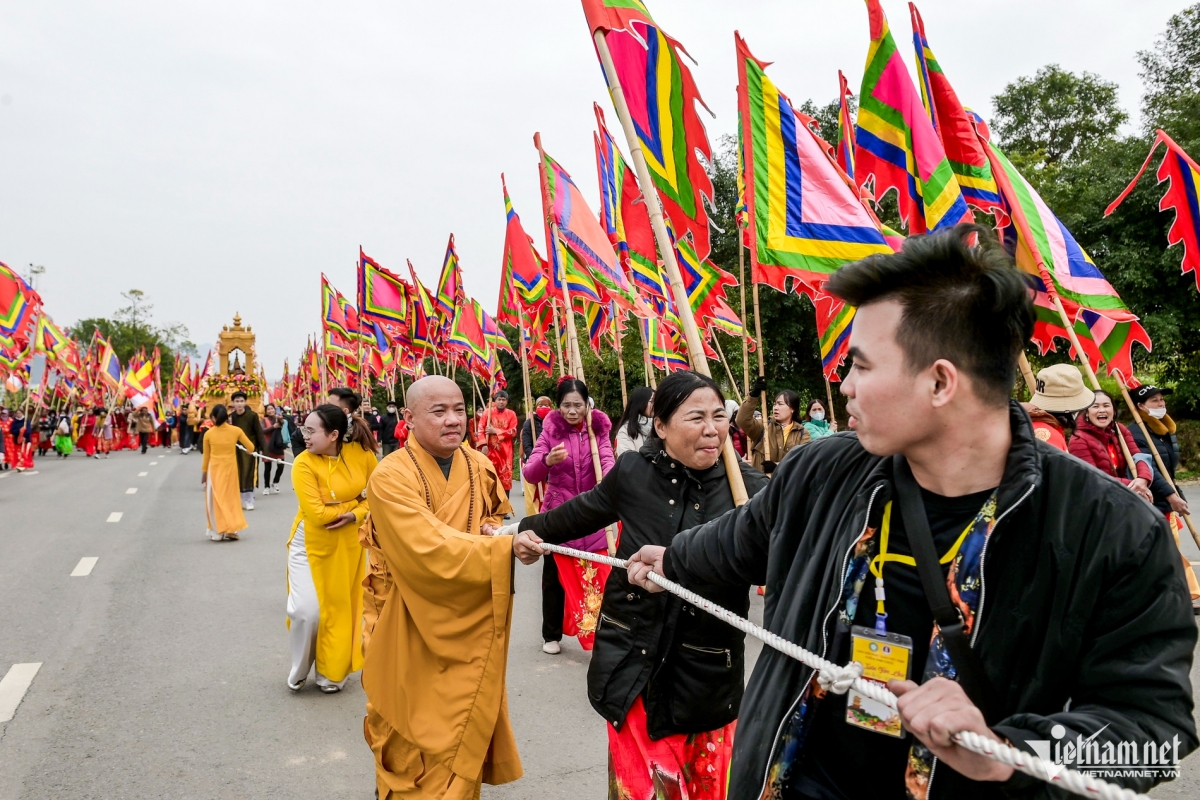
1050, 117
1171, 74
131, 329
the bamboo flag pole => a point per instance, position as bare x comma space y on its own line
1091, 373
524, 363
695, 349
616, 331
745, 337
762, 372
736, 391
1027, 372
562, 366
1162, 468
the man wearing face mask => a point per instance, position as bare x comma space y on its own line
1152, 408
387, 430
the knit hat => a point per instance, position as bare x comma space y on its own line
1060, 388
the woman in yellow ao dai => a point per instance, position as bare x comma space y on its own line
326, 563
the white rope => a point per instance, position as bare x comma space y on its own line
262, 457
839, 680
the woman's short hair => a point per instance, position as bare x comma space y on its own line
793, 401
678, 387
219, 414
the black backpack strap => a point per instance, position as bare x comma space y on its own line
949, 619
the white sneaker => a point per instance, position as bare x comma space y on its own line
250, 505
552, 648
213, 537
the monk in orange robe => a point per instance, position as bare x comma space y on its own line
437, 610
499, 432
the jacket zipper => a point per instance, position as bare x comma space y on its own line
982, 598
716, 651
611, 621
824, 642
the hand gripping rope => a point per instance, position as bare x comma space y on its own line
839, 679
264, 458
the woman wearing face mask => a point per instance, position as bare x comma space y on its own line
562, 458
635, 424
325, 563
1095, 441
666, 676
816, 420
780, 434
1152, 408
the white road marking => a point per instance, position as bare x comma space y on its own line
14, 686
132, 490
3, 476
84, 567
115, 516
143, 474
32, 472
154, 463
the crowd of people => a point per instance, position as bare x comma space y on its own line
400, 557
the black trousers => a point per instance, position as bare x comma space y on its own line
390, 447
144, 441
553, 600
266, 471
185, 436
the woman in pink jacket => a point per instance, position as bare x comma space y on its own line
571, 588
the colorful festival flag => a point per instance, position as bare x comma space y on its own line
450, 285
1183, 177
835, 320
845, 137
705, 283
19, 306
806, 220
583, 235
423, 326
383, 297
661, 95
954, 128
523, 271
110, 366
897, 144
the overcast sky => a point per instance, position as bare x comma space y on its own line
220, 156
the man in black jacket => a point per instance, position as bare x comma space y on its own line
387, 428
1068, 617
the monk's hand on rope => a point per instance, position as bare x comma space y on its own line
934, 712
642, 563
525, 546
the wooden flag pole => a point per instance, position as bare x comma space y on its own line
562, 366
1091, 373
745, 337
646, 365
616, 331
1162, 468
829, 399
736, 391
695, 349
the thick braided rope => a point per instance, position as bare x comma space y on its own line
839, 679
264, 458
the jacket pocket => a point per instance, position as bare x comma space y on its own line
707, 686
614, 643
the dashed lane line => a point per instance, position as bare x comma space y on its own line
13, 687
115, 516
143, 474
154, 463
84, 567
131, 490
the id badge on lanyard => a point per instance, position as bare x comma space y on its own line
884, 656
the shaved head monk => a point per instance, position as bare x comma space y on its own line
438, 610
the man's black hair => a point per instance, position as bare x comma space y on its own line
347, 397
963, 300
236, 395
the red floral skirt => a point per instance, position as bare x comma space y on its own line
685, 766
583, 585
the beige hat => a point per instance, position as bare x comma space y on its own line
1060, 388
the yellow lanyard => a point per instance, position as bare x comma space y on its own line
884, 556
329, 470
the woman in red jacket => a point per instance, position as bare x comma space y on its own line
1095, 441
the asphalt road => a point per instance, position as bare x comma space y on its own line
163, 669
